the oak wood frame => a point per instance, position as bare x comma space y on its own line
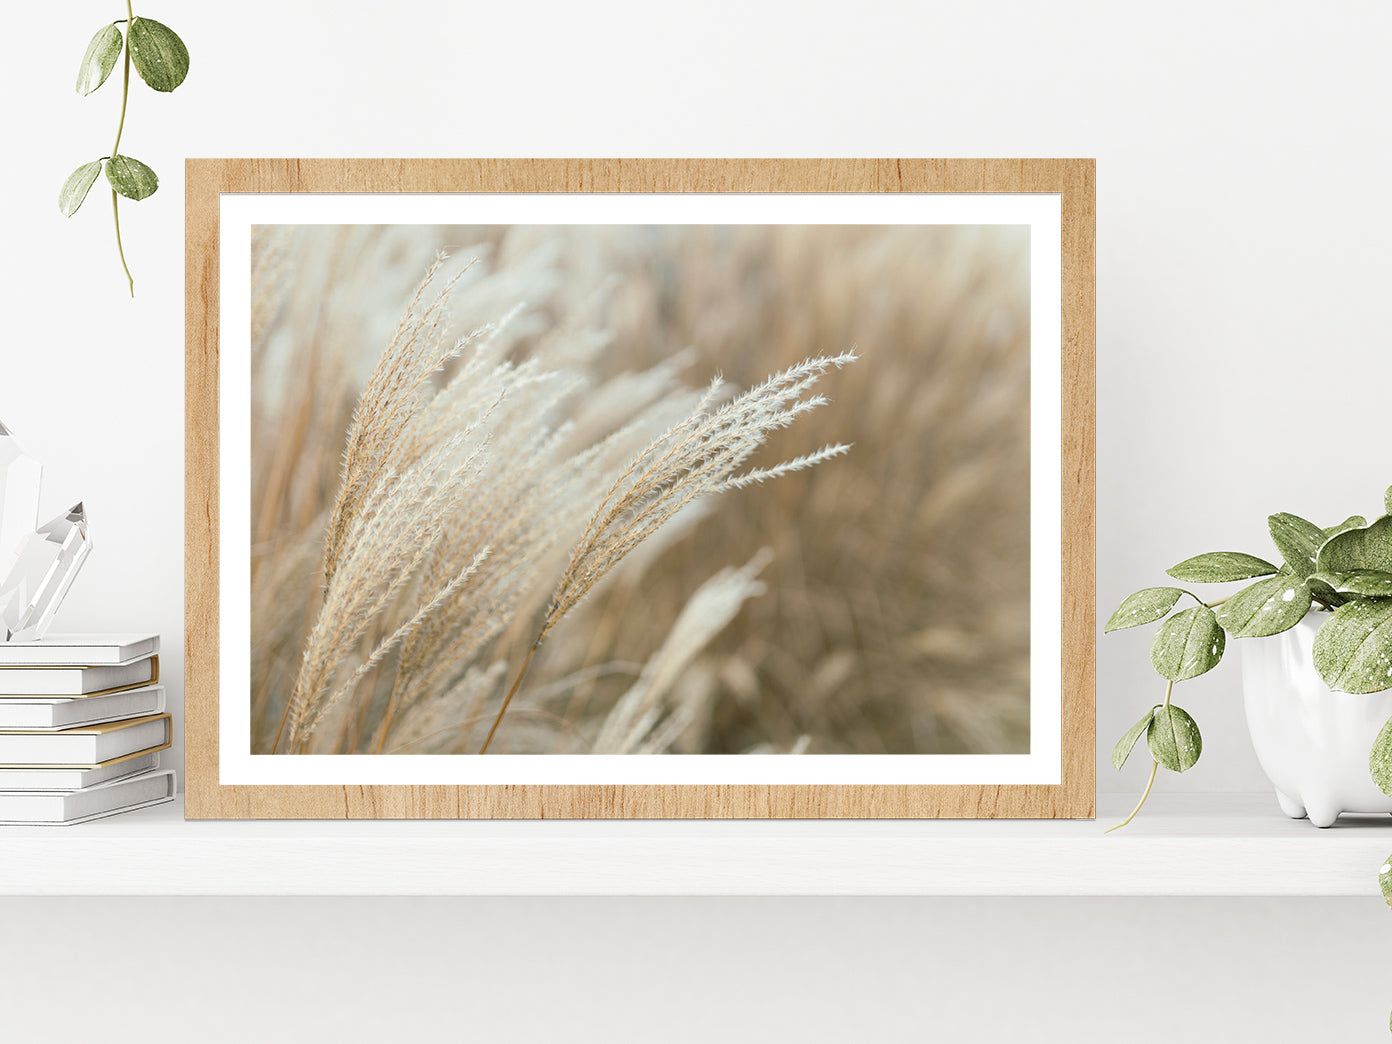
1072, 179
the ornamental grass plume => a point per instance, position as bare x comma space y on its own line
693, 459
531, 456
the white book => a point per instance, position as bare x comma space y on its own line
44, 777
63, 808
79, 650
87, 746
49, 714
77, 681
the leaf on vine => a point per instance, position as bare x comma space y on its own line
160, 57
1367, 583
1352, 522
1188, 644
75, 189
1173, 738
130, 177
1143, 607
1122, 750
1353, 649
1380, 763
1218, 567
1365, 547
99, 60
1321, 590
1298, 541
1267, 607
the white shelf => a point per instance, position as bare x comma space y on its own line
1197, 845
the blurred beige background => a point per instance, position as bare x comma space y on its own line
895, 613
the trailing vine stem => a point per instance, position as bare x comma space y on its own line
116, 148
1154, 768
160, 58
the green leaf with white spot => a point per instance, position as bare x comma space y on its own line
1173, 738
1298, 541
1368, 547
1188, 644
1122, 750
1143, 607
99, 60
75, 189
1322, 592
1385, 876
1353, 650
1367, 583
1219, 567
1380, 765
1267, 607
130, 177
158, 54
1352, 522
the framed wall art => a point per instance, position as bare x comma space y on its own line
640, 488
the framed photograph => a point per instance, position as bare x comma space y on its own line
640, 488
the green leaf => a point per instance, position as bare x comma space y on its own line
1297, 540
1188, 644
1143, 607
159, 55
1353, 650
1122, 750
1218, 567
99, 60
1173, 738
1320, 589
1387, 500
1367, 583
1380, 765
1385, 876
75, 189
1352, 522
130, 177
1267, 607
1359, 548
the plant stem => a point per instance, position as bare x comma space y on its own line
1154, 767
511, 693
116, 215
125, 95
283, 716
387, 719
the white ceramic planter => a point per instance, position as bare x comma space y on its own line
1312, 742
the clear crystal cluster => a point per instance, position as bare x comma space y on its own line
37, 563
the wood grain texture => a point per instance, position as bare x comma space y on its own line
1072, 179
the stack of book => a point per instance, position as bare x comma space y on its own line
82, 723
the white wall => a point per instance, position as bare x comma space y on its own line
1241, 204
1243, 358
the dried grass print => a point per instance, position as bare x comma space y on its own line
523, 527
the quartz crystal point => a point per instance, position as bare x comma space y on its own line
41, 573
19, 497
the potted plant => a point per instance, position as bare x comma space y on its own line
1318, 690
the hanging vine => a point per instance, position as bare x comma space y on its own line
162, 61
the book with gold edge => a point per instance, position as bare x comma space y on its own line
86, 746
77, 681
79, 650
51, 713
60, 777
